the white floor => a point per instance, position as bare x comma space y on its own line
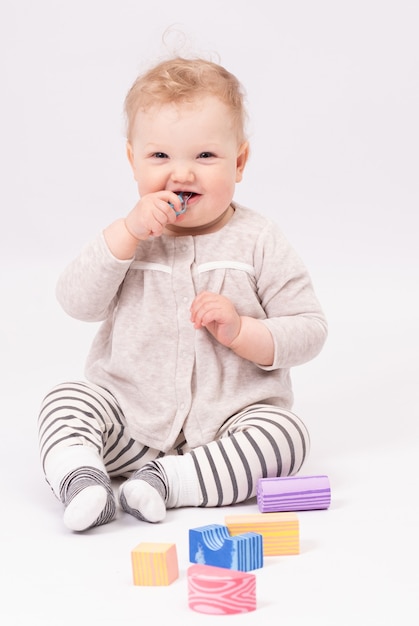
358, 561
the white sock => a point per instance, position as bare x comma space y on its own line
142, 500
170, 482
79, 479
61, 462
183, 482
85, 508
88, 499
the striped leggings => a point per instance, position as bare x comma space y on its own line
260, 441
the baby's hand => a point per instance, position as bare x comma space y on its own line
218, 315
152, 213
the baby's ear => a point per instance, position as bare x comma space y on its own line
130, 154
242, 156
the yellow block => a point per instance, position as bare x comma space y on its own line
280, 531
154, 564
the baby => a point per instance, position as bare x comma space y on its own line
205, 308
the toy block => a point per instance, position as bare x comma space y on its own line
154, 564
219, 591
293, 493
213, 545
280, 531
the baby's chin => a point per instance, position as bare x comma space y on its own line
186, 227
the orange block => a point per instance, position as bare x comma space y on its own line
154, 564
280, 531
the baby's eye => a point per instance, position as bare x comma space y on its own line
206, 155
160, 155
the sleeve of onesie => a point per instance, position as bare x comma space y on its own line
88, 288
293, 313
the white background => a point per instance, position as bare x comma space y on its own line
333, 100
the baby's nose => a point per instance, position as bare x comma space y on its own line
182, 172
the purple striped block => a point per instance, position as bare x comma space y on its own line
293, 493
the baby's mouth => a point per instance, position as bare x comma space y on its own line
183, 196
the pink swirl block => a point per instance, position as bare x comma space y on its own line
220, 591
293, 493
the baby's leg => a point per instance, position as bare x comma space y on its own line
261, 441
75, 419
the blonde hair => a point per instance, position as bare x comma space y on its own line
183, 80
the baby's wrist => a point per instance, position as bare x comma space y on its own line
130, 231
236, 342
120, 241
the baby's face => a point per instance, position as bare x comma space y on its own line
191, 148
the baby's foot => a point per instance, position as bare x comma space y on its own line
88, 499
144, 494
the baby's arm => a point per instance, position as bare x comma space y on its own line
246, 336
88, 288
294, 329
